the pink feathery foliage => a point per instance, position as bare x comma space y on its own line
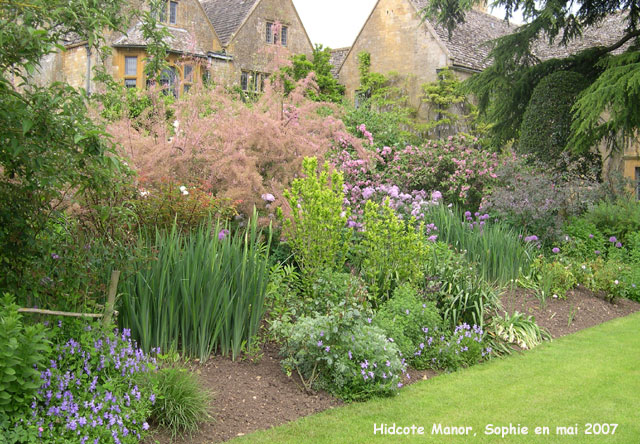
236, 150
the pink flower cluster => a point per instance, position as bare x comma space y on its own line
367, 134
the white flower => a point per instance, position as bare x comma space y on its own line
176, 125
584, 267
184, 191
268, 197
616, 282
144, 193
555, 296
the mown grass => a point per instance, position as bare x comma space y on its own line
590, 377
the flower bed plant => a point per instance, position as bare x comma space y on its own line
91, 390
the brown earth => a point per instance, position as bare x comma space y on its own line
253, 395
581, 309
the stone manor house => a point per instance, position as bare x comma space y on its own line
233, 42
229, 41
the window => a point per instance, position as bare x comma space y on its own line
269, 36
252, 81
169, 81
173, 13
188, 73
273, 37
164, 7
130, 71
187, 77
244, 80
131, 66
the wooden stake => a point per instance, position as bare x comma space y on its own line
111, 299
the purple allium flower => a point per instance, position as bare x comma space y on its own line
327, 349
223, 234
54, 256
597, 252
268, 197
350, 355
555, 250
436, 196
590, 236
319, 343
618, 245
613, 239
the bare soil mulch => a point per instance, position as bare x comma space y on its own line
581, 309
254, 395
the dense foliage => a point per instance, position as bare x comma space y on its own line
610, 71
327, 87
546, 124
51, 149
202, 293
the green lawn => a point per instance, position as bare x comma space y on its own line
590, 377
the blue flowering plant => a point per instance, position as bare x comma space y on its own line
343, 354
404, 318
93, 389
442, 350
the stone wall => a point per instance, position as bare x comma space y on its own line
249, 48
192, 17
398, 42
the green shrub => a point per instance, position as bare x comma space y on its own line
392, 252
585, 239
555, 279
611, 277
546, 123
316, 227
23, 350
633, 247
344, 355
162, 205
404, 318
460, 294
618, 219
334, 290
330, 292
450, 351
202, 292
180, 404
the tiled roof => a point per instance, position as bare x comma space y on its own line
605, 33
468, 43
337, 59
227, 15
179, 40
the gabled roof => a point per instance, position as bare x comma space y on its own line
227, 16
179, 40
468, 45
338, 57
